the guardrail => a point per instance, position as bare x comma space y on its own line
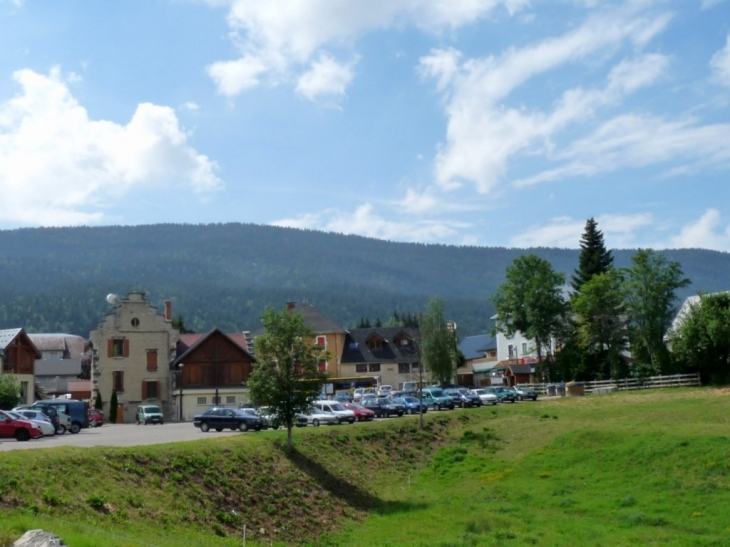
649, 382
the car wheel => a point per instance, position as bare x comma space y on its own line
219, 429
204, 427
138, 422
315, 422
61, 430
243, 426
162, 422
437, 407
75, 428
22, 435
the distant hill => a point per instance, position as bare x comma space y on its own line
224, 275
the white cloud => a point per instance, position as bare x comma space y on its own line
565, 232
58, 167
366, 222
720, 64
707, 4
483, 134
703, 233
326, 78
637, 141
278, 36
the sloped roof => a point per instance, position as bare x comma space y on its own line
191, 341
357, 351
314, 318
521, 369
7, 336
71, 344
474, 347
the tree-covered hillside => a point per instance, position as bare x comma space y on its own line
224, 275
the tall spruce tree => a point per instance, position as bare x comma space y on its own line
594, 259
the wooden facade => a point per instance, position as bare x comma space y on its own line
20, 355
215, 361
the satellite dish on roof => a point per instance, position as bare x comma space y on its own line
112, 299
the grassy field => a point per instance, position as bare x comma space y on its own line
639, 468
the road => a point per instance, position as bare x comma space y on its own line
117, 435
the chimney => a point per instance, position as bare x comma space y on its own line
290, 306
168, 310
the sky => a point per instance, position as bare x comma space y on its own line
501, 123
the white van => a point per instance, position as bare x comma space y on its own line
343, 414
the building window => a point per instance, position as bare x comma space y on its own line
54, 356
524, 348
361, 368
323, 366
118, 380
322, 342
511, 350
215, 400
202, 400
151, 359
230, 399
150, 390
135, 322
374, 367
404, 368
118, 347
375, 343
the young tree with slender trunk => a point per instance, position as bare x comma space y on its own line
438, 347
286, 376
651, 285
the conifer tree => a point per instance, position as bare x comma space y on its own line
113, 404
594, 259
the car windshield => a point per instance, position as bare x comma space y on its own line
155, 409
337, 407
479, 392
410, 399
437, 393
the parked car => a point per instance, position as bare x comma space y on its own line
77, 410
362, 414
96, 417
408, 389
227, 418
344, 414
503, 394
316, 417
46, 427
435, 398
149, 414
411, 404
267, 417
343, 397
525, 393
487, 397
20, 430
385, 390
37, 415
384, 407
463, 397
60, 419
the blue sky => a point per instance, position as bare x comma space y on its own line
466, 122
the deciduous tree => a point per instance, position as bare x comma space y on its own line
702, 341
9, 391
531, 302
438, 345
286, 376
651, 285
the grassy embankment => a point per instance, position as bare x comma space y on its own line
642, 468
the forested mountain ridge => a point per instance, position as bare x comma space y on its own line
224, 275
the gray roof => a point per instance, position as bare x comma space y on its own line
70, 344
7, 336
315, 319
356, 349
475, 347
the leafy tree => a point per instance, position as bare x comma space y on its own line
113, 407
98, 403
594, 259
9, 391
601, 325
531, 302
286, 376
651, 284
702, 341
438, 345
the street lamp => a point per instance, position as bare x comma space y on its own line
180, 387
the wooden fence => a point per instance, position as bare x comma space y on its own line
650, 382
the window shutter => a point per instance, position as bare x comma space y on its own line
144, 390
126, 347
152, 360
110, 348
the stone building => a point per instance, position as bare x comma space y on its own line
133, 347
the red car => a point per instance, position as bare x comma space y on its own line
96, 417
362, 414
20, 430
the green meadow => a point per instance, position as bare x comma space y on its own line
632, 468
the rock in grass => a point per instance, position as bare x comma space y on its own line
39, 538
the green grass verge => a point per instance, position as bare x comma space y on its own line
641, 468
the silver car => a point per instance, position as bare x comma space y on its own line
46, 426
487, 397
317, 417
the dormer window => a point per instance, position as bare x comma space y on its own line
403, 341
375, 342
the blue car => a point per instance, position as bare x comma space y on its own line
412, 404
